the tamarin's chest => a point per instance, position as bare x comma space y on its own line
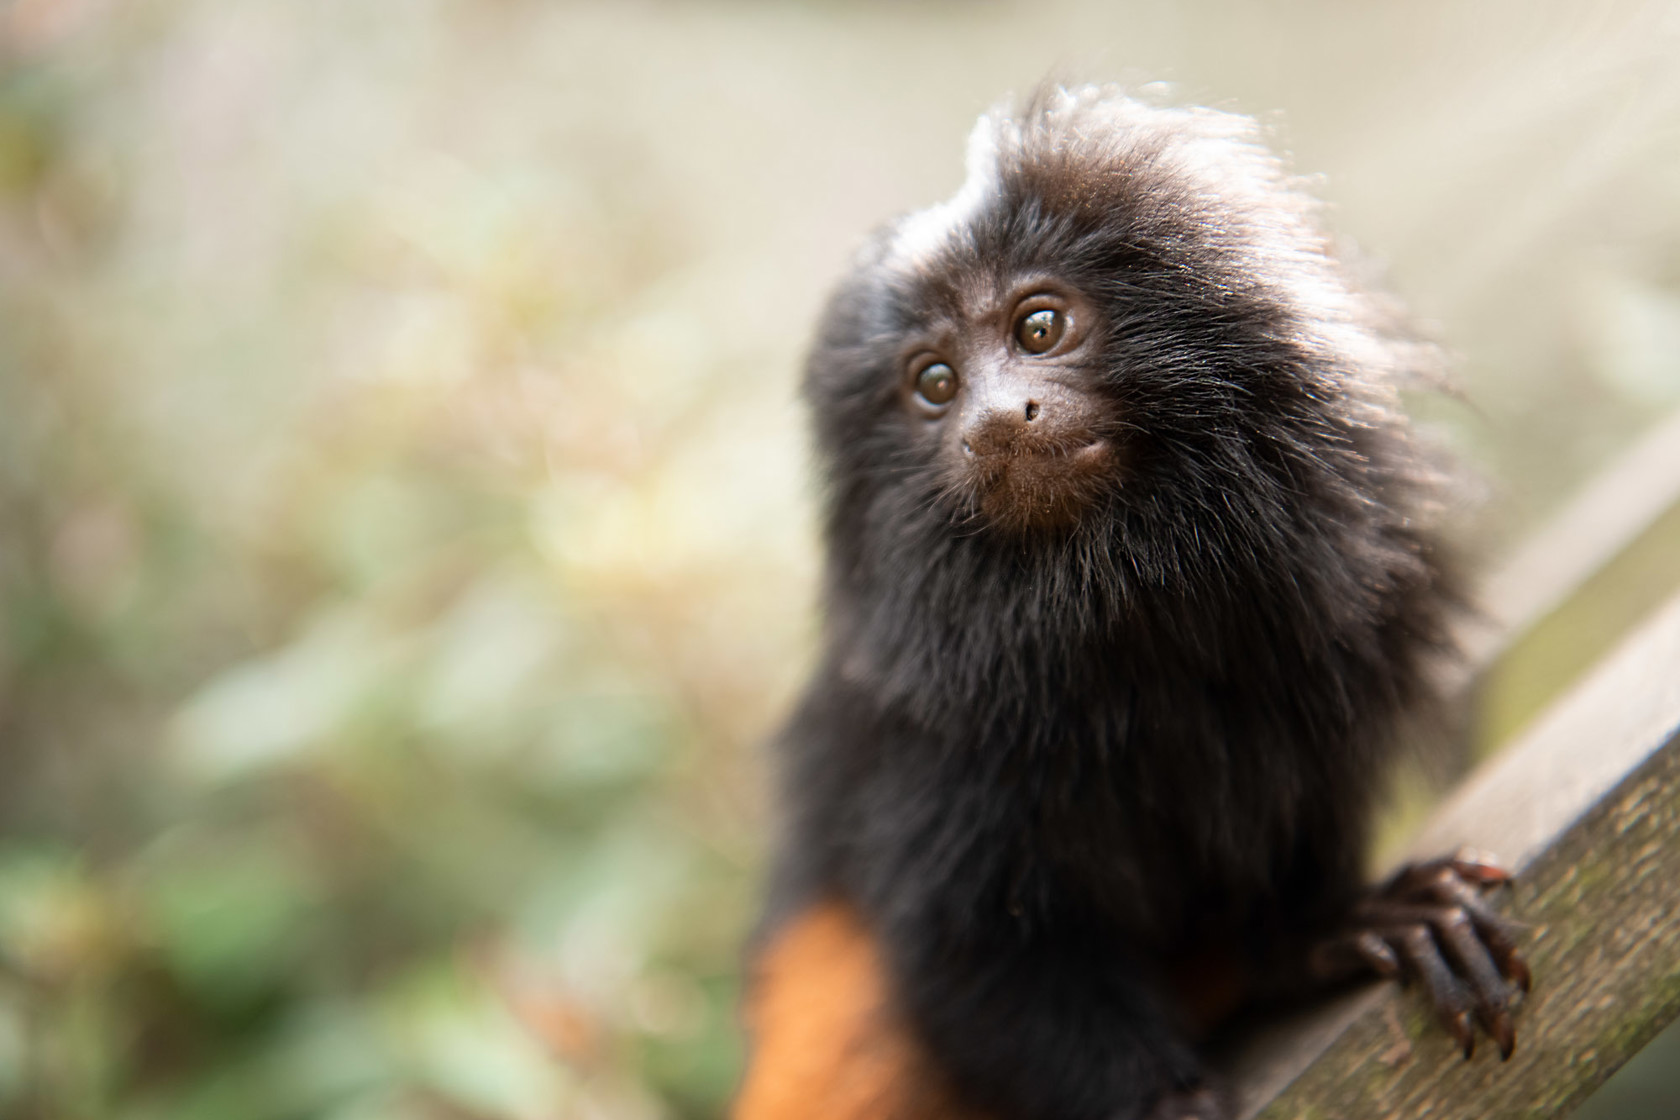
1137, 823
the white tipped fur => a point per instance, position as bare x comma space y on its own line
1251, 203
920, 235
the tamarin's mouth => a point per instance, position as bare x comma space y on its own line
1092, 454
1093, 449
1041, 486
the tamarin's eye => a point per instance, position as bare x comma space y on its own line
937, 384
1040, 331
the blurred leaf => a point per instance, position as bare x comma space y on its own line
268, 710
54, 922
486, 670
330, 1058
230, 920
460, 1039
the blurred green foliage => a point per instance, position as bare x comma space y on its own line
403, 541
374, 740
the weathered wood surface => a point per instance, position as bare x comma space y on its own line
1586, 809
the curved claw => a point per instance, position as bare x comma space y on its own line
1479, 869
1423, 959
1461, 1029
1504, 1035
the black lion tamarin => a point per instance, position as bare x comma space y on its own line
1132, 580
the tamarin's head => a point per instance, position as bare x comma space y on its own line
1126, 330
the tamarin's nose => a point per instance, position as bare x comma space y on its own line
996, 427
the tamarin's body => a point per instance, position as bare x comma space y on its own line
1131, 581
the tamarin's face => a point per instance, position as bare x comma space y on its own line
1124, 332
972, 370
1001, 385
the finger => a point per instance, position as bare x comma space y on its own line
1412, 882
1422, 958
1497, 932
1457, 935
1418, 880
1353, 954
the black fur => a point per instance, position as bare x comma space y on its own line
1044, 762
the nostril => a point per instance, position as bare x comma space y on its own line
1032, 411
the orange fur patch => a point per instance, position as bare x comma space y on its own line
827, 1044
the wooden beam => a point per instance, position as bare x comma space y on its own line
1585, 808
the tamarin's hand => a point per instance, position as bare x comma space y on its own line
1430, 922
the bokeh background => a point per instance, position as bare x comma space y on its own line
405, 527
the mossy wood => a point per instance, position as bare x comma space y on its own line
1585, 808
